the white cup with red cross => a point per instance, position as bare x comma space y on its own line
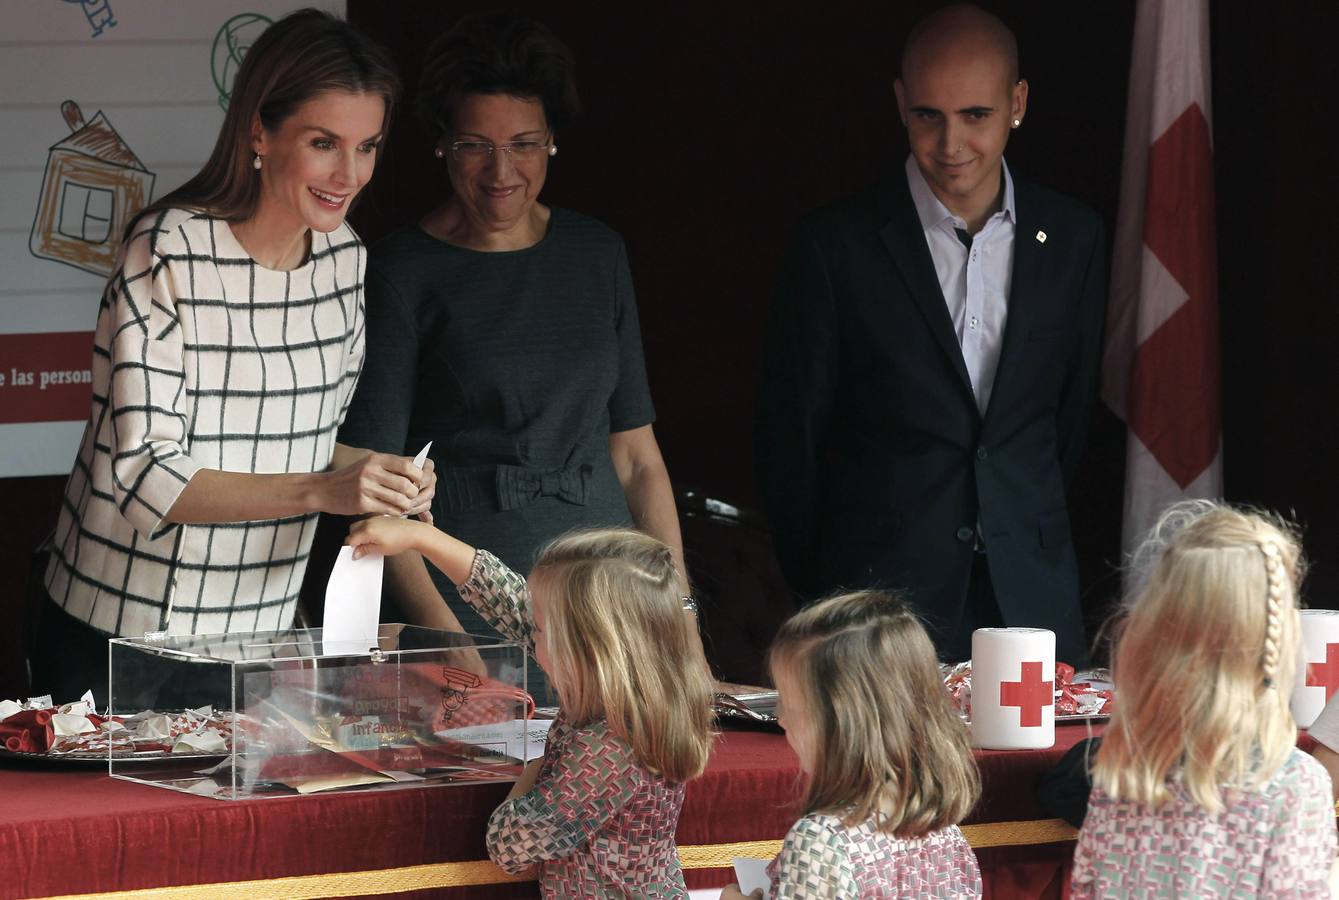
1317, 665
1013, 688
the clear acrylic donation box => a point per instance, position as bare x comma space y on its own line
278, 713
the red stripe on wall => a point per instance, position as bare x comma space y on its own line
45, 377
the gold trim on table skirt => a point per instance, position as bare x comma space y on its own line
481, 872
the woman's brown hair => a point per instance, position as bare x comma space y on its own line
496, 53
302, 55
886, 743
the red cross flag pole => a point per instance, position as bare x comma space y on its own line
1160, 368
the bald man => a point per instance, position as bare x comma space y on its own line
932, 363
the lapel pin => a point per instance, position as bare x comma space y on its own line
1041, 237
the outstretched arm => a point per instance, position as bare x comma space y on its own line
358, 483
495, 591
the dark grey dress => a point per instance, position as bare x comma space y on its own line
517, 365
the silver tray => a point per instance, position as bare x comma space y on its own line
757, 708
93, 758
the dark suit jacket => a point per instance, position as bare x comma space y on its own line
876, 464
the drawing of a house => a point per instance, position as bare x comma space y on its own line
94, 185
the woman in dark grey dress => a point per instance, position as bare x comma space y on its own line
505, 331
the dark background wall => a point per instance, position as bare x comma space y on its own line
711, 128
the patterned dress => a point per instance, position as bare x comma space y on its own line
1278, 841
597, 822
822, 858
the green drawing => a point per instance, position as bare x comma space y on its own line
230, 45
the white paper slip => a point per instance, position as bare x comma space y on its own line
420, 460
353, 597
752, 875
505, 738
422, 455
352, 604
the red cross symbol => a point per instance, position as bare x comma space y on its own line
1325, 674
1030, 694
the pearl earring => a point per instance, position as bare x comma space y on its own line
255, 163
553, 150
1017, 122
439, 153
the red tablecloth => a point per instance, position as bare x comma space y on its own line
72, 831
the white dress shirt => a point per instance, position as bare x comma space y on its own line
975, 281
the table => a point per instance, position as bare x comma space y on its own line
76, 831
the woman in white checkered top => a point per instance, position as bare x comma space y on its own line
228, 343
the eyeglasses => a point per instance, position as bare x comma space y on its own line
479, 151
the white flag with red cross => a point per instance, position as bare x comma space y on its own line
1160, 369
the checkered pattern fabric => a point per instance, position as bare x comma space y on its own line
1276, 842
204, 359
822, 859
598, 823
502, 597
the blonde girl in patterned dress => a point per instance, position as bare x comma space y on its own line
603, 612
1199, 789
889, 768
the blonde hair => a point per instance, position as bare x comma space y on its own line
623, 648
1206, 657
886, 741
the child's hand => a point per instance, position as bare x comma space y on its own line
385, 535
732, 892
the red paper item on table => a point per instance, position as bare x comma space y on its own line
463, 698
28, 731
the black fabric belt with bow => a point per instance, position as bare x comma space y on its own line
463, 488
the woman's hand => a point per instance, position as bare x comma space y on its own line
427, 489
732, 892
385, 535
378, 484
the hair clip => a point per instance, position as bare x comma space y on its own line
689, 605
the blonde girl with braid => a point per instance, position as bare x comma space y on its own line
604, 613
1199, 789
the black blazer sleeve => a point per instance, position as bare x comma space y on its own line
795, 401
1080, 388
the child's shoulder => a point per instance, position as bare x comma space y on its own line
865, 847
1300, 773
817, 826
817, 834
